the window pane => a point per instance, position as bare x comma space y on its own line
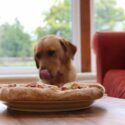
22, 22
109, 15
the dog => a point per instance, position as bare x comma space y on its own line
53, 57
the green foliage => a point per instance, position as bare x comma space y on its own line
108, 16
57, 21
14, 42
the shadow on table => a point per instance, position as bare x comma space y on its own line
92, 111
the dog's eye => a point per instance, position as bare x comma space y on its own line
51, 53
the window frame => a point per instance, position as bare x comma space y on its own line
76, 32
85, 17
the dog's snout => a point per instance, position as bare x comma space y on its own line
43, 67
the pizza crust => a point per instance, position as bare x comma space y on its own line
43, 92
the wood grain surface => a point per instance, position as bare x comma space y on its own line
105, 111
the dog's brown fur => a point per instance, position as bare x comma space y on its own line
55, 54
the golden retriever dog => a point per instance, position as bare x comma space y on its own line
53, 56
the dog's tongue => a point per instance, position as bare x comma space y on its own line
44, 74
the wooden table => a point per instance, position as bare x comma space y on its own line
105, 111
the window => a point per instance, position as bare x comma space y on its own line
108, 15
22, 22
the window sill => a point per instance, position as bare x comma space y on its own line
25, 78
18, 70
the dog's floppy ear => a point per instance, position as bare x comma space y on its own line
37, 64
36, 61
68, 48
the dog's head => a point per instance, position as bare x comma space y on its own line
51, 54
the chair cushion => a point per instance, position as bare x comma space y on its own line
114, 83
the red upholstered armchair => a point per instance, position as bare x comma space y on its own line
110, 60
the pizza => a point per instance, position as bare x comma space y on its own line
44, 92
